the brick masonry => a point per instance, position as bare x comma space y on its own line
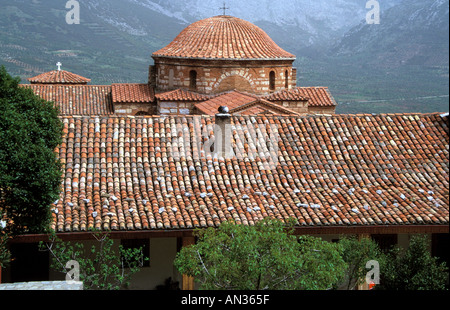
216, 76
135, 108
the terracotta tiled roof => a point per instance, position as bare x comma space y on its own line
76, 99
261, 106
58, 77
232, 100
148, 173
181, 95
241, 103
316, 96
223, 37
132, 93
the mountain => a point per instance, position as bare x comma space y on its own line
414, 33
112, 43
316, 21
34, 34
401, 65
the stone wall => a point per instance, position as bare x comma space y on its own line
322, 110
135, 108
296, 106
214, 76
175, 108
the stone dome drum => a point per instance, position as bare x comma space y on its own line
224, 37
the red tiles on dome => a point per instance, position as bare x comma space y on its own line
223, 37
59, 77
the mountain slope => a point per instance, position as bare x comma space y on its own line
305, 22
412, 34
112, 43
399, 65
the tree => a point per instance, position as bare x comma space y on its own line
356, 253
30, 173
101, 267
264, 256
5, 254
413, 268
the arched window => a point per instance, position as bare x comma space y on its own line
193, 80
272, 80
286, 79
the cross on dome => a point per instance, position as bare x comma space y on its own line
58, 64
224, 8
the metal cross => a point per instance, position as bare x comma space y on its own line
224, 8
58, 64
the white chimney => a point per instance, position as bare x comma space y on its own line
223, 133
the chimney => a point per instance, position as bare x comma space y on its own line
223, 133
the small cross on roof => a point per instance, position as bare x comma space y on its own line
59, 64
224, 8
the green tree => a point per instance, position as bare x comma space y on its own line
102, 266
264, 256
30, 173
5, 255
356, 253
413, 268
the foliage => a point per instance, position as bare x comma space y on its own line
101, 267
30, 174
356, 253
413, 268
5, 255
263, 256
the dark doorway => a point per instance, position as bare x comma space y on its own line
439, 247
29, 264
385, 242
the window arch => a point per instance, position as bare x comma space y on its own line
193, 80
286, 79
272, 80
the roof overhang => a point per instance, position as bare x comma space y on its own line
224, 59
298, 230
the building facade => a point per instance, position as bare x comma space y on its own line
137, 163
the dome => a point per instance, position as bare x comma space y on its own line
59, 77
224, 37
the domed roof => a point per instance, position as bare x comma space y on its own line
223, 37
58, 77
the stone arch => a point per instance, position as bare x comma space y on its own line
193, 80
272, 80
234, 82
286, 79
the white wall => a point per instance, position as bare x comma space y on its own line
162, 255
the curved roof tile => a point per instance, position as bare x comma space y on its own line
223, 37
59, 77
140, 173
